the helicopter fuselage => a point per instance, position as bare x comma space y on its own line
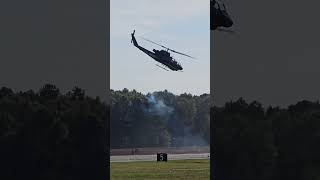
160, 56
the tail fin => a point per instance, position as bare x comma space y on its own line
133, 39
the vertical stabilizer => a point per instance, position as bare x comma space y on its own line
133, 39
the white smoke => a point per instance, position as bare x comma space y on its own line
158, 107
191, 139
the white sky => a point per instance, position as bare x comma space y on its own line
182, 25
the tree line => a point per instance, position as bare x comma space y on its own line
50, 135
159, 119
252, 142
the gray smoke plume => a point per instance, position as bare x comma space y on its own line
158, 107
191, 139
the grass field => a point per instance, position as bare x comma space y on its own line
175, 170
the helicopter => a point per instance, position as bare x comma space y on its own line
161, 56
219, 17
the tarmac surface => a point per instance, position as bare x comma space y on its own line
134, 158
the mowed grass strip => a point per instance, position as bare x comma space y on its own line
175, 170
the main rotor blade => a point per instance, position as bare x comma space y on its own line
181, 53
168, 48
154, 42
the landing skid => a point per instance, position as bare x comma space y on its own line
162, 67
165, 68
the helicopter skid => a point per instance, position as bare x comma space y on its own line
162, 67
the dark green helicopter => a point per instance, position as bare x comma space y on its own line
161, 56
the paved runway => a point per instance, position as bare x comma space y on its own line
132, 158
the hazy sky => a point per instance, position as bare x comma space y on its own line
182, 25
274, 57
